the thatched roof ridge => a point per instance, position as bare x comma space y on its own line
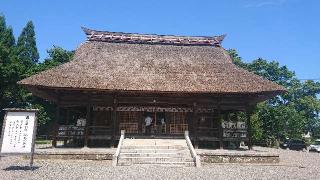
152, 68
107, 36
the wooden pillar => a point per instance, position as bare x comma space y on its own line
249, 111
195, 125
220, 125
168, 117
67, 123
140, 121
68, 117
114, 121
212, 125
88, 121
56, 125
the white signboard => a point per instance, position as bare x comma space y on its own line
234, 129
18, 132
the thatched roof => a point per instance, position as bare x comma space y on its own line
114, 61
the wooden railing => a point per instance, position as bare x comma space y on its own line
130, 128
71, 131
234, 130
208, 131
115, 157
193, 153
99, 132
235, 133
178, 128
154, 129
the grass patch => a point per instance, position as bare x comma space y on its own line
42, 141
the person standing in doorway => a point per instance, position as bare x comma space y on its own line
148, 121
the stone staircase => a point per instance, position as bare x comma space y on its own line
166, 152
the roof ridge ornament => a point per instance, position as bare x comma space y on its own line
118, 37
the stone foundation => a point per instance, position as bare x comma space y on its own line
207, 156
74, 156
240, 158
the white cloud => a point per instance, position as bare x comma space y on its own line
264, 3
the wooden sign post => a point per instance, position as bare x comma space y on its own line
18, 132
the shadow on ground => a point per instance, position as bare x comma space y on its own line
21, 168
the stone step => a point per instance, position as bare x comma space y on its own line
155, 139
152, 147
135, 160
166, 164
158, 144
155, 151
162, 152
153, 142
177, 155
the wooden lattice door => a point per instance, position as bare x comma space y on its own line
178, 124
128, 121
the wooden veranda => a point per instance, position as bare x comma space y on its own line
206, 117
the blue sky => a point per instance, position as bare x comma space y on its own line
284, 30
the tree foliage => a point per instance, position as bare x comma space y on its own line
19, 60
56, 56
288, 115
9, 67
27, 51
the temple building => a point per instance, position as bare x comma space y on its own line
183, 83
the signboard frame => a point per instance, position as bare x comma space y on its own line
33, 135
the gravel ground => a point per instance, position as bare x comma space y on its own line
293, 165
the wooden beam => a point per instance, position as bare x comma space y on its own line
195, 125
249, 112
140, 121
255, 96
220, 127
48, 95
180, 100
114, 120
56, 125
67, 123
231, 101
88, 121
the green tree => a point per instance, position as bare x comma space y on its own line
7, 60
18, 61
271, 71
6, 34
289, 114
10, 69
56, 56
236, 59
26, 46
